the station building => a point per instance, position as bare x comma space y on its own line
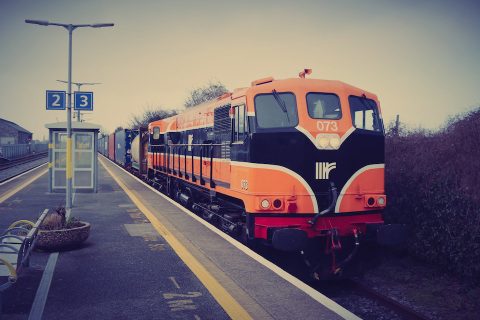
12, 133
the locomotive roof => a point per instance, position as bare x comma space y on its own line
262, 86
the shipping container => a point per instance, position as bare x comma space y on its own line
39, 147
140, 150
14, 151
105, 148
102, 145
111, 146
123, 141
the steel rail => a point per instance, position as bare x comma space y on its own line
401, 309
23, 160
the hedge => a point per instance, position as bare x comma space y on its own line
432, 183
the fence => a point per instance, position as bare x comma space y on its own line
14, 151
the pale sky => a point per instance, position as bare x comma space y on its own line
420, 57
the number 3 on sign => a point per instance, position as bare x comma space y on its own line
83, 101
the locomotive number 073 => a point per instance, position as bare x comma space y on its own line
327, 126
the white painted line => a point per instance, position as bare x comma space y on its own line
20, 187
314, 294
174, 281
42, 292
24, 173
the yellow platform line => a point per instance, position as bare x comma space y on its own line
21, 186
220, 294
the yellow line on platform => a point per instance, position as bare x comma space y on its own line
221, 295
20, 187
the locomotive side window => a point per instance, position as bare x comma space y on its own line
365, 114
156, 133
239, 124
156, 138
324, 106
276, 110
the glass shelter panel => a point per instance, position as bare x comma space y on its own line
59, 179
83, 141
60, 140
83, 179
83, 160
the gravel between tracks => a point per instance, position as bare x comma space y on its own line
424, 288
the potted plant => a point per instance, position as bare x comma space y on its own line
58, 233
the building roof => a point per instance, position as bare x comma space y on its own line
75, 125
13, 125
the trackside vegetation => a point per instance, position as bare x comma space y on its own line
432, 182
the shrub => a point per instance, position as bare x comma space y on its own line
56, 220
432, 181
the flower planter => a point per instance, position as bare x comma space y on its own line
64, 238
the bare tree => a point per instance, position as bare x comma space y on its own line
103, 133
203, 94
151, 115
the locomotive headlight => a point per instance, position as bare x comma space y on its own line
335, 142
323, 142
328, 141
381, 201
265, 204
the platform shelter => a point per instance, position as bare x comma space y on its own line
84, 156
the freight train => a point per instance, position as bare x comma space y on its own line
297, 164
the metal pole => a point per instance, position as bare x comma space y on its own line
70, 28
78, 111
68, 204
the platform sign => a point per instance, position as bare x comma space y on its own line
83, 101
56, 100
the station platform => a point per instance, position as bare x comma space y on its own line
146, 258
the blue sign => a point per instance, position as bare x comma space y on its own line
83, 101
55, 100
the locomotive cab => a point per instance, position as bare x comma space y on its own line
323, 131
314, 138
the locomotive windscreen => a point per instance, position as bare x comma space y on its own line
276, 110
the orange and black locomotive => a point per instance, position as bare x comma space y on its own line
287, 162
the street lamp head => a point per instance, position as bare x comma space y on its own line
102, 25
39, 22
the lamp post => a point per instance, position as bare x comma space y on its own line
79, 85
70, 28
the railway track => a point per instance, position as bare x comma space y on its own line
404, 311
365, 301
16, 168
17, 162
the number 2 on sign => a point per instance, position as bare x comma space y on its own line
56, 101
327, 126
